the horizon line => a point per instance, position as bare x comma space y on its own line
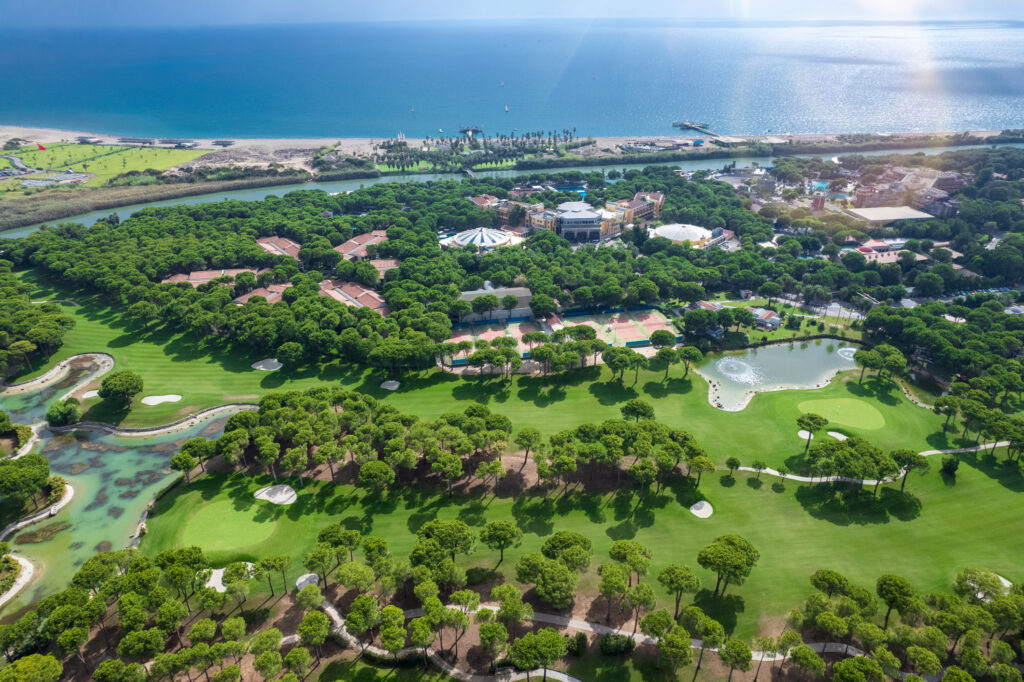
739, 21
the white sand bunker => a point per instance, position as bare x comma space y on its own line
837, 435
90, 394
157, 399
216, 580
268, 365
390, 385
276, 494
306, 579
702, 509
803, 433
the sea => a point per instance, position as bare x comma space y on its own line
602, 78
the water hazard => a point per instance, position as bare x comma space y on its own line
114, 478
736, 377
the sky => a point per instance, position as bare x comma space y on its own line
74, 13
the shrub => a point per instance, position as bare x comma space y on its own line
23, 434
615, 645
576, 644
57, 487
950, 463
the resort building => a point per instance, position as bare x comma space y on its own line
271, 292
766, 319
522, 309
882, 215
385, 264
279, 246
698, 237
579, 221
657, 199
355, 248
355, 295
198, 277
483, 238
713, 306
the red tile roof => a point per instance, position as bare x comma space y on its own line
279, 246
271, 292
198, 277
354, 295
356, 247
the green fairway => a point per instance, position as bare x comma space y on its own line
926, 534
858, 414
229, 526
208, 372
105, 161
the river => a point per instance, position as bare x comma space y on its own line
259, 193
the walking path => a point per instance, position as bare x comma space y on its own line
180, 425
23, 579
890, 479
103, 361
46, 513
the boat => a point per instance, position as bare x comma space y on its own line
506, 108
412, 110
440, 130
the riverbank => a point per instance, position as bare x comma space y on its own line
295, 156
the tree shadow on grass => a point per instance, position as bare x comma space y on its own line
482, 389
534, 515
541, 391
726, 608
611, 393
843, 505
882, 390
754, 483
664, 389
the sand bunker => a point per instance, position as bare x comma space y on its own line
276, 494
306, 579
837, 435
702, 509
390, 385
268, 365
216, 580
804, 434
90, 394
157, 399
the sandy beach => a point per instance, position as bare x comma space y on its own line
296, 152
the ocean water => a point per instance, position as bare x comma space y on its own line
601, 78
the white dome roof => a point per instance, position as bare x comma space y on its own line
482, 238
683, 233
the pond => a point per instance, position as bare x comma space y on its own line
735, 377
114, 479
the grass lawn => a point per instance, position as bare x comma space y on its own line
857, 414
105, 161
926, 534
209, 372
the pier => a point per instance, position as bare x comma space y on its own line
699, 127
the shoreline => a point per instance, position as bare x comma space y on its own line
364, 145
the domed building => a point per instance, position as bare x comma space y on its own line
698, 237
483, 238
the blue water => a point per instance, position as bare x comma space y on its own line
602, 78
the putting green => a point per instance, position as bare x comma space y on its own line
858, 414
222, 526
